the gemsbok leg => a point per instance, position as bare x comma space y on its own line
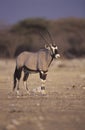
17, 76
43, 80
26, 74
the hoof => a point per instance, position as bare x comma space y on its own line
43, 92
37, 90
28, 92
18, 93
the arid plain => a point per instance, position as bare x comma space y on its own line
63, 108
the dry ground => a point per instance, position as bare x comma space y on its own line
63, 108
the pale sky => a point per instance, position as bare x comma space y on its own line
12, 11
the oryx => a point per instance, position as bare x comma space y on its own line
37, 62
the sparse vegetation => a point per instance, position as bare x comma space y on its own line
67, 33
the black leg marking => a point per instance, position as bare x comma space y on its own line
43, 76
17, 76
42, 87
26, 74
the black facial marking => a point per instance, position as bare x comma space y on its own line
56, 51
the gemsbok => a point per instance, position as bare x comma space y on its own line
35, 62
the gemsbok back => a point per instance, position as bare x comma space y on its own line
35, 62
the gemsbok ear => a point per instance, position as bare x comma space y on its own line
47, 47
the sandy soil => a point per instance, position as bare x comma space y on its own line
63, 108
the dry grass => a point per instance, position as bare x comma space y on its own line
62, 108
